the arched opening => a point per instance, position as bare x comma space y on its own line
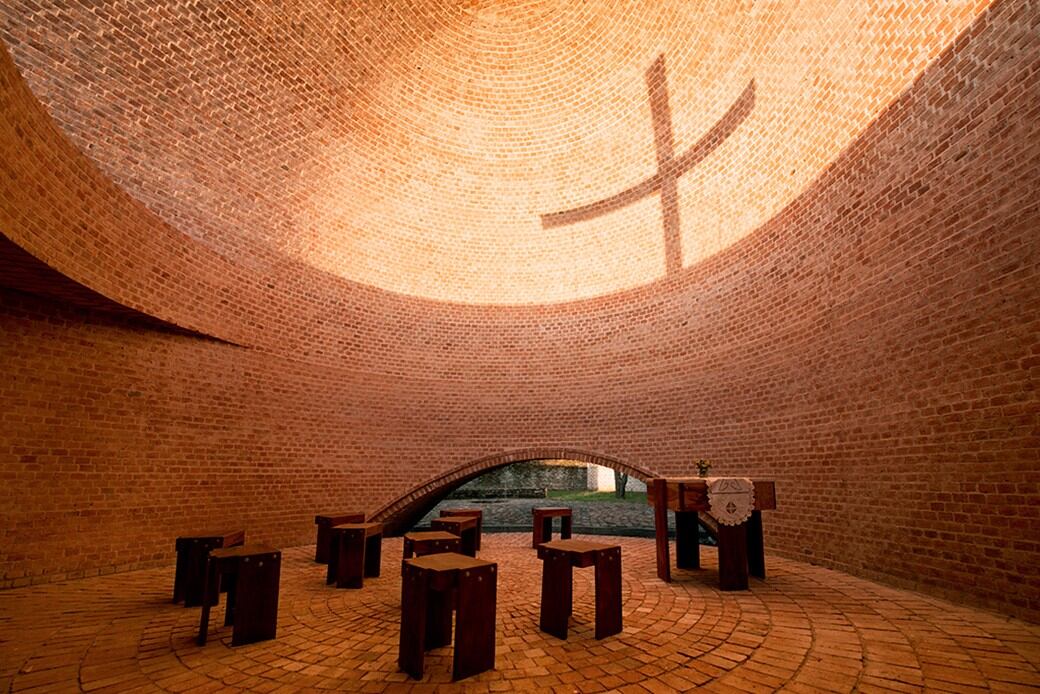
402, 513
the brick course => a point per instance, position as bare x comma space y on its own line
873, 347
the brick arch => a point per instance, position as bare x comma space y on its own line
403, 512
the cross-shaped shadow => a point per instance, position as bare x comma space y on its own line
669, 167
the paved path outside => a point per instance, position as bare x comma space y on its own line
589, 516
805, 629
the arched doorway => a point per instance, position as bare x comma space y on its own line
403, 512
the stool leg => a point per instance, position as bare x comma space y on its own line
438, 618
539, 532
195, 574
475, 622
547, 529
256, 609
756, 554
178, 574
469, 542
231, 583
321, 546
408, 550
332, 558
373, 554
733, 560
608, 592
557, 594
565, 527
412, 644
211, 586
687, 540
351, 558
480, 529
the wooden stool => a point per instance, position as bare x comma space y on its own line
543, 524
463, 526
251, 573
558, 559
433, 542
430, 587
356, 549
189, 578
474, 512
326, 521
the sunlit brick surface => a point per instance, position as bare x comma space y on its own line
804, 629
873, 347
414, 145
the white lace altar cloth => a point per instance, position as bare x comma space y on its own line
731, 499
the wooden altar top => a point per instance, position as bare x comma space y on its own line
691, 494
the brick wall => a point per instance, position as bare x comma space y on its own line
537, 474
874, 348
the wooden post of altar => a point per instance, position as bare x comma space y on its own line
664, 562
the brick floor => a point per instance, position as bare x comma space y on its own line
805, 629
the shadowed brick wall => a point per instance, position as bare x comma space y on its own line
873, 348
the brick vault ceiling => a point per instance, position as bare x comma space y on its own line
415, 146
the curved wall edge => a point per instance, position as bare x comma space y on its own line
874, 349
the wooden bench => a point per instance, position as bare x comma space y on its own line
251, 573
741, 547
558, 561
355, 553
419, 544
189, 576
431, 587
474, 512
543, 524
324, 522
463, 526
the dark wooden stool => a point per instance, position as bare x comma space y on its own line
463, 526
474, 512
430, 542
558, 559
356, 552
251, 573
431, 587
543, 524
326, 521
189, 578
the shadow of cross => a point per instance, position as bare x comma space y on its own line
669, 166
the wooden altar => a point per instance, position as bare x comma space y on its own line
741, 548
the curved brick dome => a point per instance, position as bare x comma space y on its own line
417, 146
434, 239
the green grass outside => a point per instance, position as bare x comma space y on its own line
566, 495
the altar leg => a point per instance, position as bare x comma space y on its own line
687, 540
733, 560
756, 555
664, 562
